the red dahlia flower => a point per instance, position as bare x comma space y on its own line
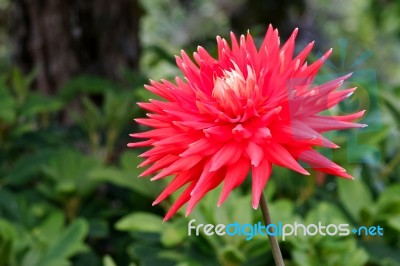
248, 109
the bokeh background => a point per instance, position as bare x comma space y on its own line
71, 73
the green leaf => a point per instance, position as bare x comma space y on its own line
20, 84
326, 213
49, 231
390, 194
352, 151
230, 255
98, 228
355, 196
118, 109
108, 261
86, 84
282, 211
91, 120
140, 222
8, 235
27, 168
32, 257
174, 233
11, 211
389, 203
7, 106
302, 258
242, 211
359, 257
37, 104
394, 222
379, 251
391, 103
129, 161
71, 242
127, 180
270, 190
69, 172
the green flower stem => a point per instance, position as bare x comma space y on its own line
272, 239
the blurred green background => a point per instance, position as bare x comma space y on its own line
71, 73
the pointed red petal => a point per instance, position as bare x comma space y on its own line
179, 181
228, 154
182, 164
207, 187
183, 198
235, 175
280, 156
260, 176
255, 153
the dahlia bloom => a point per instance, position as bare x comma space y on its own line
245, 111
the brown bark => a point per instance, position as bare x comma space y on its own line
64, 38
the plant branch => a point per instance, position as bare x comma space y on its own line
272, 239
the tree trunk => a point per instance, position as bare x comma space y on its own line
64, 38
